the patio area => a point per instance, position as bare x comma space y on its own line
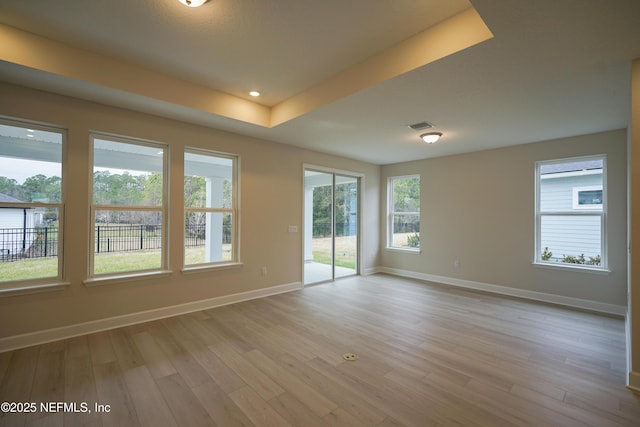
315, 272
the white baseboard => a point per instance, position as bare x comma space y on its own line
372, 270
612, 309
634, 381
54, 334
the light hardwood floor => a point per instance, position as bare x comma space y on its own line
427, 355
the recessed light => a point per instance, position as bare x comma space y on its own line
193, 3
254, 93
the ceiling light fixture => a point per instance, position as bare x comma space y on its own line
193, 3
254, 93
431, 137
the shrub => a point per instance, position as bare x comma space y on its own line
581, 259
413, 241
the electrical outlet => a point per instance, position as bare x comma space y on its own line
263, 271
456, 264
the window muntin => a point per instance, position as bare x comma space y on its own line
128, 209
403, 223
211, 208
570, 212
31, 203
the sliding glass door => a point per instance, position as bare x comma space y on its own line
331, 222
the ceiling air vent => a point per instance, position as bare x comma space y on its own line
421, 126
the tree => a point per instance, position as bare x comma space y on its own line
406, 198
10, 187
195, 197
406, 194
322, 204
42, 188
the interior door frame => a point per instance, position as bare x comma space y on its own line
360, 200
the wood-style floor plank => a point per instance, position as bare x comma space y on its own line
295, 412
156, 360
49, 378
112, 391
185, 406
17, 383
428, 355
252, 375
315, 401
79, 387
217, 370
150, 406
220, 407
256, 409
100, 348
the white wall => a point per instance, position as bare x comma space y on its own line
12, 218
478, 208
633, 315
270, 200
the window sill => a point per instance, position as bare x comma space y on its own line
576, 268
210, 267
10, 290
403, 250
122, 278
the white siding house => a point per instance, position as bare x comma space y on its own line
566, 191
15, 223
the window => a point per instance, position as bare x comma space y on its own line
129, 206
589, 197
211, 208
570, 212
403, 227
31, 203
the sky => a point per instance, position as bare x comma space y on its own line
22, 169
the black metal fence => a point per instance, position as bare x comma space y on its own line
19, 243
195, 235
42, 242
322, 229
128, 237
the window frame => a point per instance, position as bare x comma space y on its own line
92, 277
576, 197
234, 211
40, 284
573, 212
391, 213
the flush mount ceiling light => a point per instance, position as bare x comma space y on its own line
254, 93
193, 3
431, 137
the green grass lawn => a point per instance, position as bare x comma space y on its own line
104, 263
29, 269
345, 248
116, 262
347, 260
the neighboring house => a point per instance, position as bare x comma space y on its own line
15, 224
572, 187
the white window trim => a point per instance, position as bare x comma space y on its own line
52, 283
391, 213
122, 276
576, 197
537, 259
234, 211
